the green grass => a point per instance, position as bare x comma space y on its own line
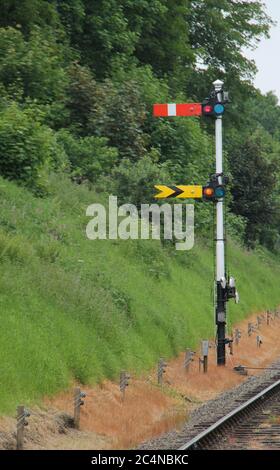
74, 308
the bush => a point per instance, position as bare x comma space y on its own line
34, 66
33, 69
27, 148
89, 156
119, 114
134, 182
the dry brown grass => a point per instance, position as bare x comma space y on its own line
146, 412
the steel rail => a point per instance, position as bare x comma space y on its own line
218, 425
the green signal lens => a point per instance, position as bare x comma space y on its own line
220, 192
219, 108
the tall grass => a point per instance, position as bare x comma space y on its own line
74, 308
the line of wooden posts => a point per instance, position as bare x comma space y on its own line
78, 400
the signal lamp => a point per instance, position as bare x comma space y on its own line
220, 192
219, 109
208, 108
211, 107
208, 191
213, 191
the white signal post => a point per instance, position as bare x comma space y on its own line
220, 238
220, 251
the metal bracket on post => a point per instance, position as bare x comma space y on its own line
237, 336
188, 359
230, 345
204, 350
22, 414
240, 370
78, 402
221, 323
259, 341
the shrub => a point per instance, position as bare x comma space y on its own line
89, 156
134, 182
27, 147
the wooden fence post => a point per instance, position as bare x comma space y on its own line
22, 413
161, 370
124, 382
78, 402
20, 426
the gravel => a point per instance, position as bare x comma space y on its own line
213, 410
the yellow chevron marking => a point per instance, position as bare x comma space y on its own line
190, 191
165, 191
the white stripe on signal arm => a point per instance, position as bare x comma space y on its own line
171, 109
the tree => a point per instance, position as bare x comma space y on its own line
33, 67
81, 98
102, 35
220, 29
185, 148
254, 169
163, 39
27, 13
119, 115
33, 70
28, 149
72, 15
265, 110
112, 33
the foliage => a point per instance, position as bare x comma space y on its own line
91, 70
81, 98
89, 157
219, 29
185, 147
164, 42
119, 114
28, 149
255, 184
100, 33
27, 14
265, 110
134, 182
32, 68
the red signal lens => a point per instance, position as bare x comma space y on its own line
208, 109
208, 192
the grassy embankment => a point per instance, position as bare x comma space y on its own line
74, 308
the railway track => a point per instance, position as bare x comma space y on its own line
253, 424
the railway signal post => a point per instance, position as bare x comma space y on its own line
213, 107
220, 239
